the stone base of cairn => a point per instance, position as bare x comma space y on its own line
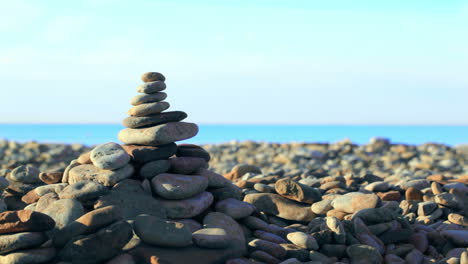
147, 201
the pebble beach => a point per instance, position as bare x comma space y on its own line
152, 200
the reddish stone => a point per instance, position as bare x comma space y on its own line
30, 197
390, 196
51, 177
24, 221
413, 194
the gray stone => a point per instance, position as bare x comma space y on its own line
152, 76
83, 191
177, 186
215, 180
3, 184
110, 156
46, 200
355, 201
159, 135
187, 165
363, 254
187, 208
106, 177
25, 174
64, 211
29, 256
159, 232
14, 242
151, 87
232, 228
457, 237
148, 98
234, 208
148, 109
153, 120
322, 207
303, 240
211, 238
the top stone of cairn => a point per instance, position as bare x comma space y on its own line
152, 77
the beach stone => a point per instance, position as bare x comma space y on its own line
148, 109
426, 208
458, 219
277, 205
335, 225
3, 206
457, 237
25, 174
413, 194
144, 154
293, 251
177, 186
110, 156
271, 248
190, 150
263, 257
390, 196
85, 158
159, 232
187, 208
317, 257
417, 184
363, 254
148, 98
264, 188
303, 240
446, 199
3, 184
211, 238
64, 211
25, 221
20, 188
321, 207
130, 198
296, 191
29, 256
241, 169
51, 177
18, 241
45, 200
394, 259
190, 224
215, 180
187, 165
30, 197
44, 189
103, 245
154, 119
159, 135
233, 230
83, 191
152, 77
234, 208
229, 191
378, 186
151, 87
153, 168
355, 201
66, 173
105, 177
269, 237
414, 257
122, 259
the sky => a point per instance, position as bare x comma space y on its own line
237, 62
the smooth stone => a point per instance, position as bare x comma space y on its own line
233, 230
30, 256
103, 245
190, 224
144, 154
148, 109
130, 198
30, 197
264, 188
85, 158
269, 237
260, 256
51, 177
458, 219
378, 186
335, 225
14, 242
394, 259
271, 248
152, 76
215, 180
317, 257
122, 259
159, 135
151, 87
417, 184
153, 168
13, 202
3, 184
296, 191
187, 208
20, 188
83, 191
234, 208
66, 173
25, 174
372, 216
148, 98
110, 156
64, 211
229, 191
191, 150
177, 186
24, 221
241, 169
277, 205
355, 201
293, 251
56, 187
187, 165
426, 208
303, 240
363, 254
153, 120
105, 177
88, 223
3, 206
322, 207
159, 232
46, 200
457, 237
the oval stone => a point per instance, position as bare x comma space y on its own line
109, 156
144, 154
159, 232
25, 174
355, 201
153, 168
153, 120
187, 208
152, 76
148, 109
177, 186
159, 135
148, 98
151, 87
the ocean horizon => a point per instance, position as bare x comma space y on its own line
91, 134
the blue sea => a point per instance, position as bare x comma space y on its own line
95, 134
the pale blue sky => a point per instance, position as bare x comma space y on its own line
250, 61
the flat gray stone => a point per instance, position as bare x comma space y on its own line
30, 256
177, 186
153, 120
151, 87
148, 98
25, 174
187, 208
159, 135
93, 173
153, 168
110, 156
18, 241
83, 191
148, 109
234, 208
64, 211
211, 238
159, 232
152, 76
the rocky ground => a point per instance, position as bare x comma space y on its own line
295, 203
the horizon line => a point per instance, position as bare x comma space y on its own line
252, 124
